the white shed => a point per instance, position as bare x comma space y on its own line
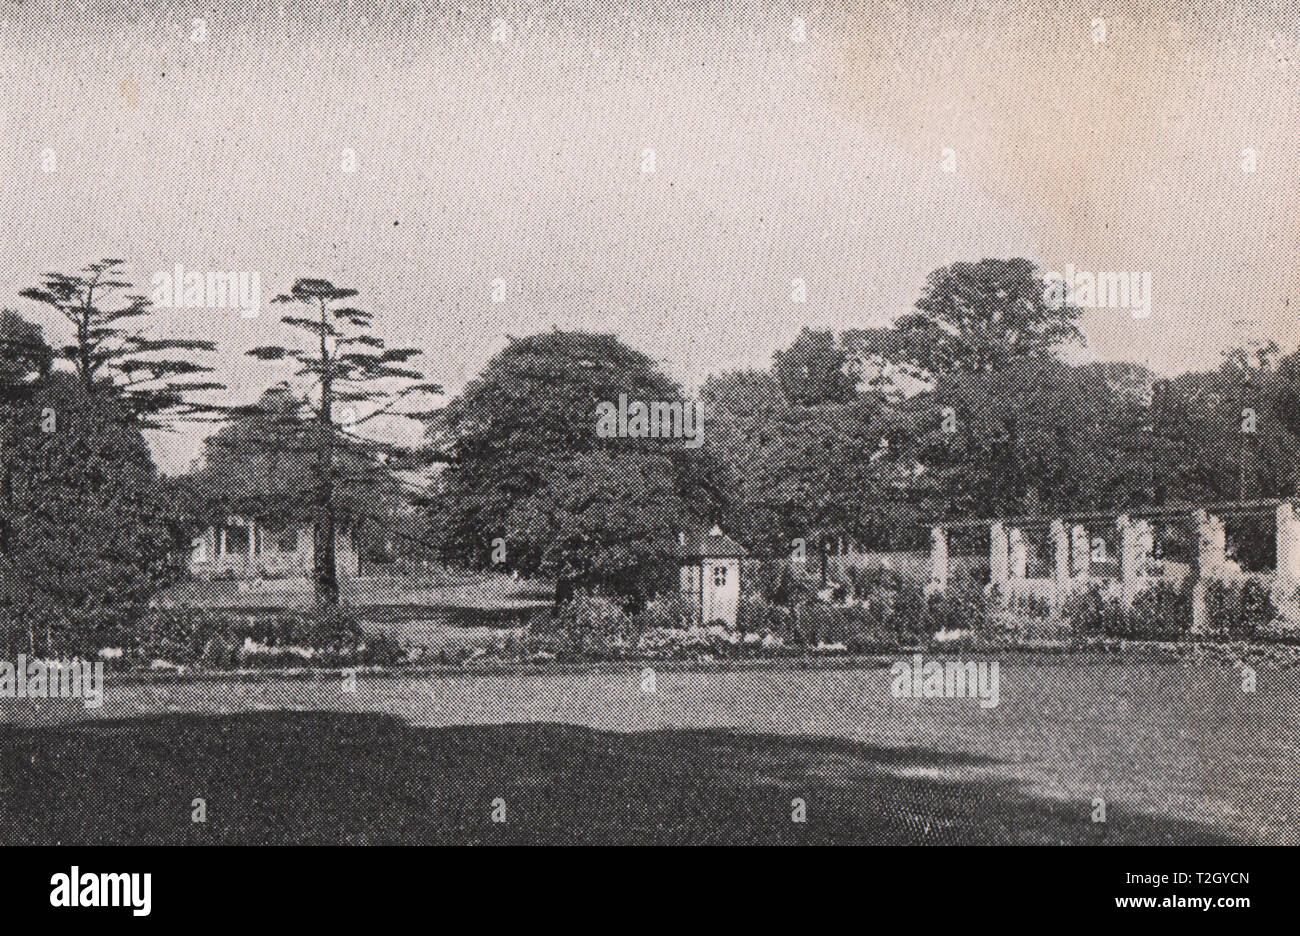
710, 575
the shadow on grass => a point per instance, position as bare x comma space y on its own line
323, 777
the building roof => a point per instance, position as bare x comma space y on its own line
711, 545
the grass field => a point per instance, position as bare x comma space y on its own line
1178, 752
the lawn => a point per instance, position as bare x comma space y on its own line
385, 596
1178, 752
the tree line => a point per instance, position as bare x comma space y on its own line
968, 405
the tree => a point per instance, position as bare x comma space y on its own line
109, 352
812, 370
531, 484
825, 473
974, 318
255, 463
740, 409
1003, 441
25, 358
816, 473
25, 363
347, 368
86, 535
254, 466
1232, 432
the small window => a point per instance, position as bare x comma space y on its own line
719, 576
287, 542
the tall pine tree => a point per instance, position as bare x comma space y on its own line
111, 353
353, 378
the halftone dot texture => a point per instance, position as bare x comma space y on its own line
813, 165
1177, 751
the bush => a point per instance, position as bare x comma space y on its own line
869, 584
756, 616
1239, 610
692, 642
1092, 615
1030, 606
90, 532
957, 610
595, 625
1160, 612
219, 639
814, 624
672, 612
219, 653
782, 586
811, 623
887, 606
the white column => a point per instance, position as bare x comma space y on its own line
938, 559
1061, 550
1060, 537
1135, 548
1211, 546
999, 565
1287, 579
1127, 558
1288, 545
1081, 547
1018, 553
1144, 545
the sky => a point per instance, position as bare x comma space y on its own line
854, 147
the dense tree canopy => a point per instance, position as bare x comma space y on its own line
529, 468
261, 461
24, 355
87, 534
812, 370
964, 408
975, 318
1035, 435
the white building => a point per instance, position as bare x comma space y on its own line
710, 575
243, 547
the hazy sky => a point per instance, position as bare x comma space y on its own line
774, 159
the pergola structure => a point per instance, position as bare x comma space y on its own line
1070, 536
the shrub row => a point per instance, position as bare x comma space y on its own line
216, 639
879, 611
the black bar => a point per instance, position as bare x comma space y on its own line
387, 885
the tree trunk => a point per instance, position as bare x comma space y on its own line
563, 592
323, 558
327, 582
